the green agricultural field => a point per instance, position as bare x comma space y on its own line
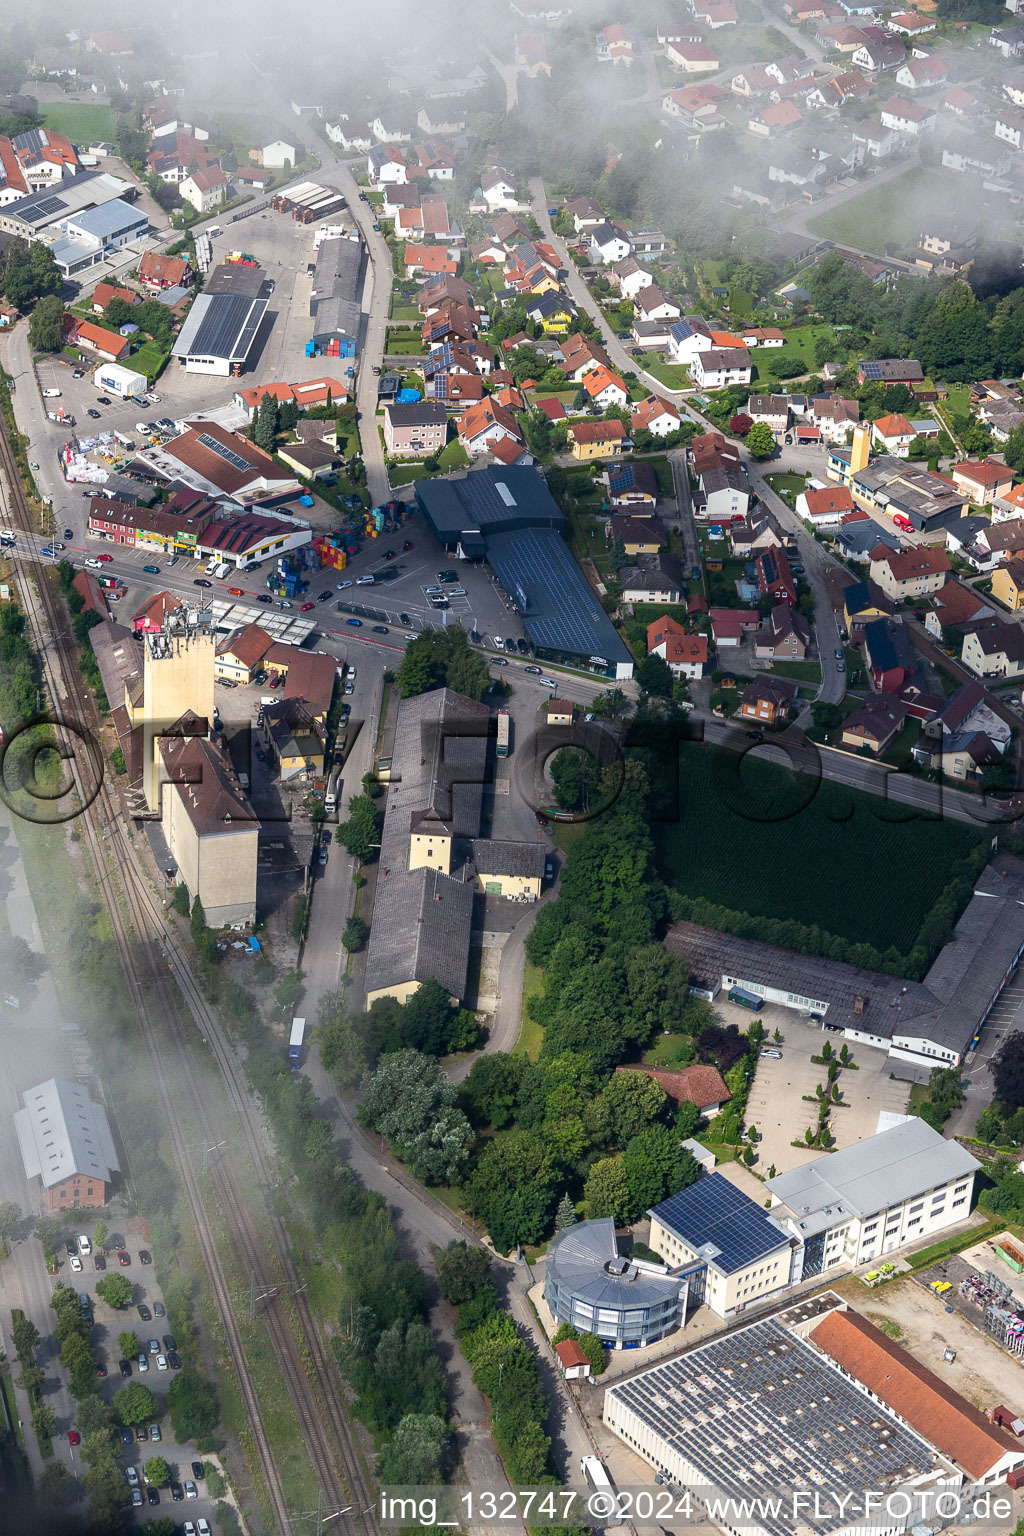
755, 838
84, 122
891, 212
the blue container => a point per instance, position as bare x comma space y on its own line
306, 501
408, 396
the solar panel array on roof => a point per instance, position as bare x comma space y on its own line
220, 325
760, 1410
721, 1224
223, 451
562, 612
47, 207
871, 370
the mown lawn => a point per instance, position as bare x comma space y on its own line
800, 671
669, 374
84, 122
887, 213
750, 836
798, 348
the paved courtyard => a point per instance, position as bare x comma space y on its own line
776, 1103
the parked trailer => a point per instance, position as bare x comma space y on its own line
596, 1474
295, 1043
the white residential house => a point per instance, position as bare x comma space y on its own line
391, 130
384, 164
919, 74
720, 367
629, 276
205, 189
278, 155
687, 337
1009, 126
607, 244
904, 116
878, 140
498, 190
348, 134
651, 304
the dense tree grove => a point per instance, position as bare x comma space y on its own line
959, 328
443, 658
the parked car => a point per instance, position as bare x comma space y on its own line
124, 1259
177, 1492
145, 1314
76, 1264
838, 653
159, 1310
154, 1432
403, 618
132, 1474
840, 666
174, 1360
143, 1363
161, 1362
365, 581
101, 1370
102, 400
191, 1492
153, 1345
94, 414
198, 1471
153, 1495
125, 1367
137, 1498
408, 545
74, 1438
169, 1341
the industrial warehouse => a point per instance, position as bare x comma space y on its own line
219, 333
813, 1398
334, 302
930, 1023
508, 517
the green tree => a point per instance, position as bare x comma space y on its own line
30, 272
192, 1404
409, 1101
360, 834
264, 426
128, 1344
46, 325
632, 1101
44, 1420
116, 1290
440, 658
760, 441
655, 1166
461, 1271
654, 676
55, 1486
577, 779
354, 934
416, 1452
512, 1189
135, 1403
606, 1192
10, 1215
25, 1337
158, 1473
179, 900
1008, 1070
565, 1216
287, 991
100, 1235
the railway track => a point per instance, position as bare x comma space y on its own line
154, 990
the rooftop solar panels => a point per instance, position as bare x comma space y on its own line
721, 1224
562, 612
221, 325
758, 1410
224, 452
871, 370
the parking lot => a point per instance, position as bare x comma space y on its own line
776, 1102
154, 1364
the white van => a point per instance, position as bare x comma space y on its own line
212, 564
51, 394
221, 570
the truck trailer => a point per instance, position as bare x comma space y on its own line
295, 1044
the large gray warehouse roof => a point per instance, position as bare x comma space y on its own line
220, 325
872, 1175
61, 1132
87, 189
562, 612
585, 1258
485, 502
760, 1410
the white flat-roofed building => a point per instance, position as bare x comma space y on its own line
863, 1202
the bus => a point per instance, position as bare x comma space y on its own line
504, 731
744, 999
596, 1474
295, 1043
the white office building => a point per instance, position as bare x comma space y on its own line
862, 1203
